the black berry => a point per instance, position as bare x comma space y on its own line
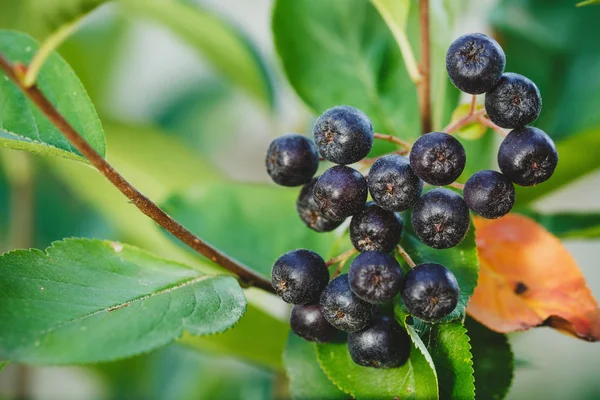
430, 292
309, 211
489, 194
393, 184
292, 160
527, 156
384, 344
299, 276
475, 63
375, 277
375, 229
514, 102
343, 309
438, 158
441, 218
307, 321
343, 135
340, 192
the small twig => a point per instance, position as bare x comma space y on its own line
341, 258
473, 105
457, 185
144, 204
405, 256
485, 121
338, 270
370, 161
425, 68
467, 119
393, 139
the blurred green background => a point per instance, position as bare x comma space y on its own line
191, 98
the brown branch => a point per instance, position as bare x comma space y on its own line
406, 257
341, 258
393, 139
424, 86
144, 204
485, 121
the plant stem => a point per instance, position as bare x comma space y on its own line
144, 204
405, 256
339, 268
393, 139
467, 119
457, 185
424, 86
341, 258
485, 121
47, 48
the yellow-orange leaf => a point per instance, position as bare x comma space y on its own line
528, 278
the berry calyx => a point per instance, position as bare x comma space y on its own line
527, 156
292, 160
441, 218
343, 309
475, 63
514, 102
309, 211
489, 194
438, 158
375, 277
340, 192
393, 184
384, 344
307, 321
430, 292
343, 135
299, 276
375, 229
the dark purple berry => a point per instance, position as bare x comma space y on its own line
438, 158
308, 322
375, 229
430, 292
299, 276
375, 277
489, 194
343, 309
343, 135
475, 62
340, 192
309, 211
292, 160
393, 184
384, 344
514, 102
441, 218
527, 156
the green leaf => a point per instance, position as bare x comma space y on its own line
254, 224
89, 301
3, 364
23, 126
568, 225
462, 260
393, 12
307, 379
231, 52
587, 3
414, 380
492, 359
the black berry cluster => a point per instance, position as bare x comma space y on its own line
355, 302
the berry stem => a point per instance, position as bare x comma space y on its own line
338, 270
393, 139
144, 204
485, 121
424, 86
457, 185
467, 119
473, 105
341, 258
405, 256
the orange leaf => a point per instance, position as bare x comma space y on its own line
528, 278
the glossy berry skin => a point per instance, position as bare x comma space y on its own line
441, 218
343, 309
475, 63
340, 192
489, 194
527, 156
393, 184
375, 277
438, 158
375, 229
514, 102
309, 211
299, 276
292, 160
307, 321
430, 292
384, 344
343, 135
